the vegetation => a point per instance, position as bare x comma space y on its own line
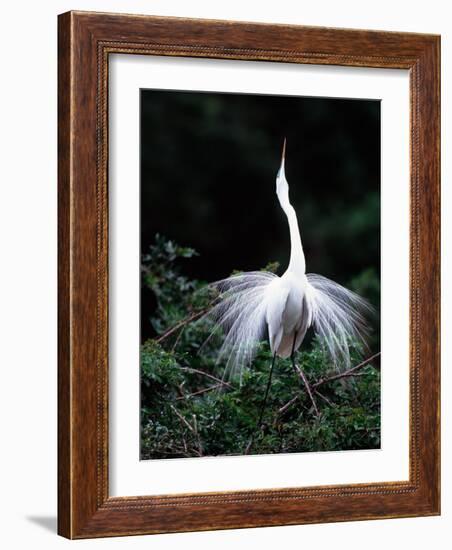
187, 410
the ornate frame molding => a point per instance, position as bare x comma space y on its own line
85, 42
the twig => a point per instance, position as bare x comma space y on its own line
185, 443
180, 324
182, 419
180, 389
199, 392
330, 403
308, 388
193, 429
195, 425
284, 408
177, 340
211, 376
349, 372
250, 444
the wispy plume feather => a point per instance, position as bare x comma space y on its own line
255, 304
339, 317
239, 313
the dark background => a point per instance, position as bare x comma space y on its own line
208, 169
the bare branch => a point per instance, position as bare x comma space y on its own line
345, 374
177, 340
325, 398
350, 372
180, 324
211, 376
308, 388
199, 392
198, 437
284, 408
182, 419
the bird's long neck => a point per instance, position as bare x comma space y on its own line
297, 262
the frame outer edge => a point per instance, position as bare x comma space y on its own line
433, 229
426, 233
64, 278
82, 511
438, 176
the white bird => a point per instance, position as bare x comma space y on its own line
256, 304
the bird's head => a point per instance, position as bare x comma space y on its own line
282, 187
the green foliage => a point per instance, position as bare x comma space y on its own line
176, 295
367, 284
187, 411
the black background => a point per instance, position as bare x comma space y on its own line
208, 168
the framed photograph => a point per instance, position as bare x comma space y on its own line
248, 275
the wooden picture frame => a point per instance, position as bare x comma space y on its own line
85, 42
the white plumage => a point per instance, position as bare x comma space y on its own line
257, 304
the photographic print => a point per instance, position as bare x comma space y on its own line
260, 274
228, 202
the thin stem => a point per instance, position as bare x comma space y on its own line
180, 324
308, 387
198, 437
288, 404
199, 392
207, 374
259, 423
349, 372
178, 337
182, 419
266, 392
298, 370
325, 398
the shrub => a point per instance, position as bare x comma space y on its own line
188, 411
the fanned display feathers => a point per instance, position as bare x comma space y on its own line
337, 315
254, 305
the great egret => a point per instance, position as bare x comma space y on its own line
256, 304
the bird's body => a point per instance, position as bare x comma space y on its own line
289, 312
256, 304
